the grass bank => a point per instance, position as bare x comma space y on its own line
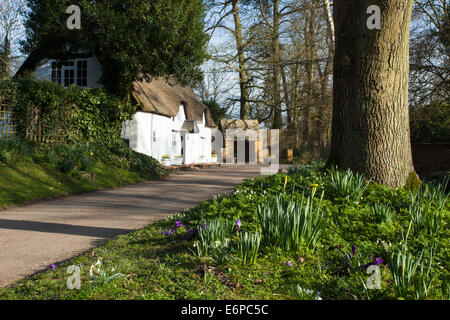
305, 235
26, 181
29, 171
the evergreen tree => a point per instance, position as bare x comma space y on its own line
217, 112
133, 39
5, 59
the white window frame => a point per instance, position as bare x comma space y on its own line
58, 75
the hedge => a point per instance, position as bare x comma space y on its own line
75, 115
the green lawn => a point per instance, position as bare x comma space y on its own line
23, 181
412, 229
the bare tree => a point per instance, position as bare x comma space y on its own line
430, 52
11, 30
222, 9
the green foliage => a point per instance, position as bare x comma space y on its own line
213, 236
88, 121
300, 293
131, 38
288, 225
79, 115
120, 155
347, 185
433, 193
77, 158
217, 112
351, 240
16, 150
425, 219
5, 58
431, 123
413, 182
411, 274
383, 213
248, 247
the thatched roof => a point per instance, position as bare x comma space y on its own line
232, 124
164, 97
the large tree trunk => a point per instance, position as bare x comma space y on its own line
370, 112
243, 77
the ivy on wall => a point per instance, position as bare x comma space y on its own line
76, 115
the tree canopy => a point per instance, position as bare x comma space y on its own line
133, 39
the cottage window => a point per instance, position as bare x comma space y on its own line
69, 77
69, 73
82, 73
154, 136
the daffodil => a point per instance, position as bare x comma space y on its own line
314, 188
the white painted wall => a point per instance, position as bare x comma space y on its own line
156, 135
138, 132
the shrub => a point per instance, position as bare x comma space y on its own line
431, 123
77, 115
413, 182
120, 155
16, 150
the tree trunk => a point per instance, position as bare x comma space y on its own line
309, 76
278, 116
243, 77
286, 98
370, 110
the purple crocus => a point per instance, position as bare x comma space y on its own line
53, 267
354, 248
178, 224
168, 233
377, 261
238, 224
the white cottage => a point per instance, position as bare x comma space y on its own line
171, 121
